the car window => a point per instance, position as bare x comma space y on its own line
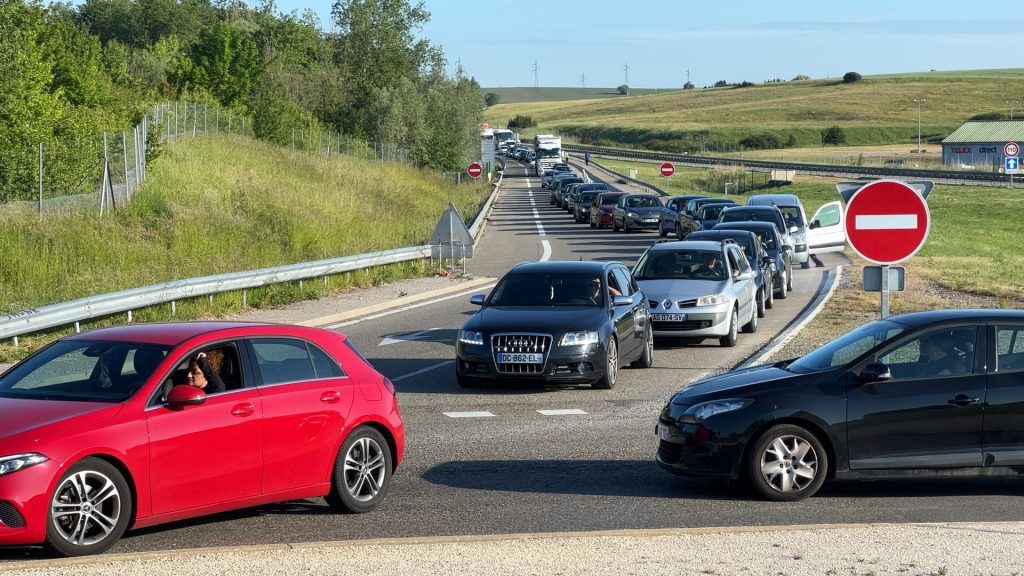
547, 289
1009, 348
283, 360
739, 261
622, 281
848, 347
937, 353
792, 215
84, 371
680, 265
829, 216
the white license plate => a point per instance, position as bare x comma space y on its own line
664, 433
506, 358
668, 317
650, 220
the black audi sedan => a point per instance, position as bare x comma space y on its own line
925, 393
558, 323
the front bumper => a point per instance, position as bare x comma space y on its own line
700, 321
643, 224
23, 504
562, 365
693, 450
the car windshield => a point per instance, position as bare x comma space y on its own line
82, 370
767, 238
545, 153
752, 216
792, 215
848, 347
643, 202
680, 265
586, 197
605, 200
711, 212
548, 290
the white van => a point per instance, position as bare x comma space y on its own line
824, 232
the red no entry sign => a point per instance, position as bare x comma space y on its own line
475, 170
887, 221
667, 169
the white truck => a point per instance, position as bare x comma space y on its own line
548, 150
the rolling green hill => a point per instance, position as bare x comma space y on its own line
519, 95
876, 110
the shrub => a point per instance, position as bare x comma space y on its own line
623, 89
490, 99
834, 135
520, 122
851, 77
762, 141
688, 86
745, 84
801, 77
721, 84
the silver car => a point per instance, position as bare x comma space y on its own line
698, 289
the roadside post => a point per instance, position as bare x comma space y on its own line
887, 222
1011, 162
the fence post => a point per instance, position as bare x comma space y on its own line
206, 111
127, 186
40, 180
217, 124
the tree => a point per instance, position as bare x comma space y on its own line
490, 99
851, 77
520, 122
721, 84
834, 135
623, 89
688, 86
799, 77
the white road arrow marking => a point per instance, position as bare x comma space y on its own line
396, 338
885, 222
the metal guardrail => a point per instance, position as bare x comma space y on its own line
66, 313
941, 176
640, 183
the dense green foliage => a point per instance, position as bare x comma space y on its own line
520, 121
851, 77
68, 73
834, 135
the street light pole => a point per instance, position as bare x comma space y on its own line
919, 101
1011, 103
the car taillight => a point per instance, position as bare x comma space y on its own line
390, 387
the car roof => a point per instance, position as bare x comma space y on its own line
638, 195
776, 199
166, 333
739, 208
722, 233
562, 266
917, 319
687, 245
747, 225
687, 197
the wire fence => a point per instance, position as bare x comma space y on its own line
105, 171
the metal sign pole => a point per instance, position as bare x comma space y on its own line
885, 291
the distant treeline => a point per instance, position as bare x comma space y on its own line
69, 72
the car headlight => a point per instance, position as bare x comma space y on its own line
701, 412
14, 463
711, 300
471, 337
578, 338
800, 238
632, 214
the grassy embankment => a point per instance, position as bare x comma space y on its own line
973, 245
220, 204
878, 110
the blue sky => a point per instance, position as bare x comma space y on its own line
592, 41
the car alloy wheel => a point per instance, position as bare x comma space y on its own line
751, 327
625, 225
89, 509
789, 281
761, 303
782, 282
646, 359
611, 367
729, 340
769, 302
787, 463
362, 472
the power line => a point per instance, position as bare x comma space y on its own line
536, 82
583, 80
626, 68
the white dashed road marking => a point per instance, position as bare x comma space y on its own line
469, 414
562, 412
422, 370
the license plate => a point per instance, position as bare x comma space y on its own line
506, 358
664, 433
668, 317
650, 220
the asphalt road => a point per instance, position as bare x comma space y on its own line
518, 470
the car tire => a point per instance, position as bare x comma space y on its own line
787, 463
751, 327
769, 302
611, 367
592, 225
646, 359
661, 231
362, 472
465, 381
805, 265
761, 305
615, 225
106, 506
625, 226
789, 281
782, 292
730, 339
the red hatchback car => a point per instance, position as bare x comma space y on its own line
102, 431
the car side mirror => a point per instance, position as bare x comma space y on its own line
477, 299
622, 301
793, 229
815, 224
184, 395
768, 260
875, 372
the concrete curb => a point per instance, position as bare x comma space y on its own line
397, 302
429, 540
825, 291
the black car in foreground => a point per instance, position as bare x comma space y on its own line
559, 323
913, 395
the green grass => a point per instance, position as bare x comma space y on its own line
225, 203
519, 95
973, 245
876, 110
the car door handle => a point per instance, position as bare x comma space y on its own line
964, 400
330, 397
243, 410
